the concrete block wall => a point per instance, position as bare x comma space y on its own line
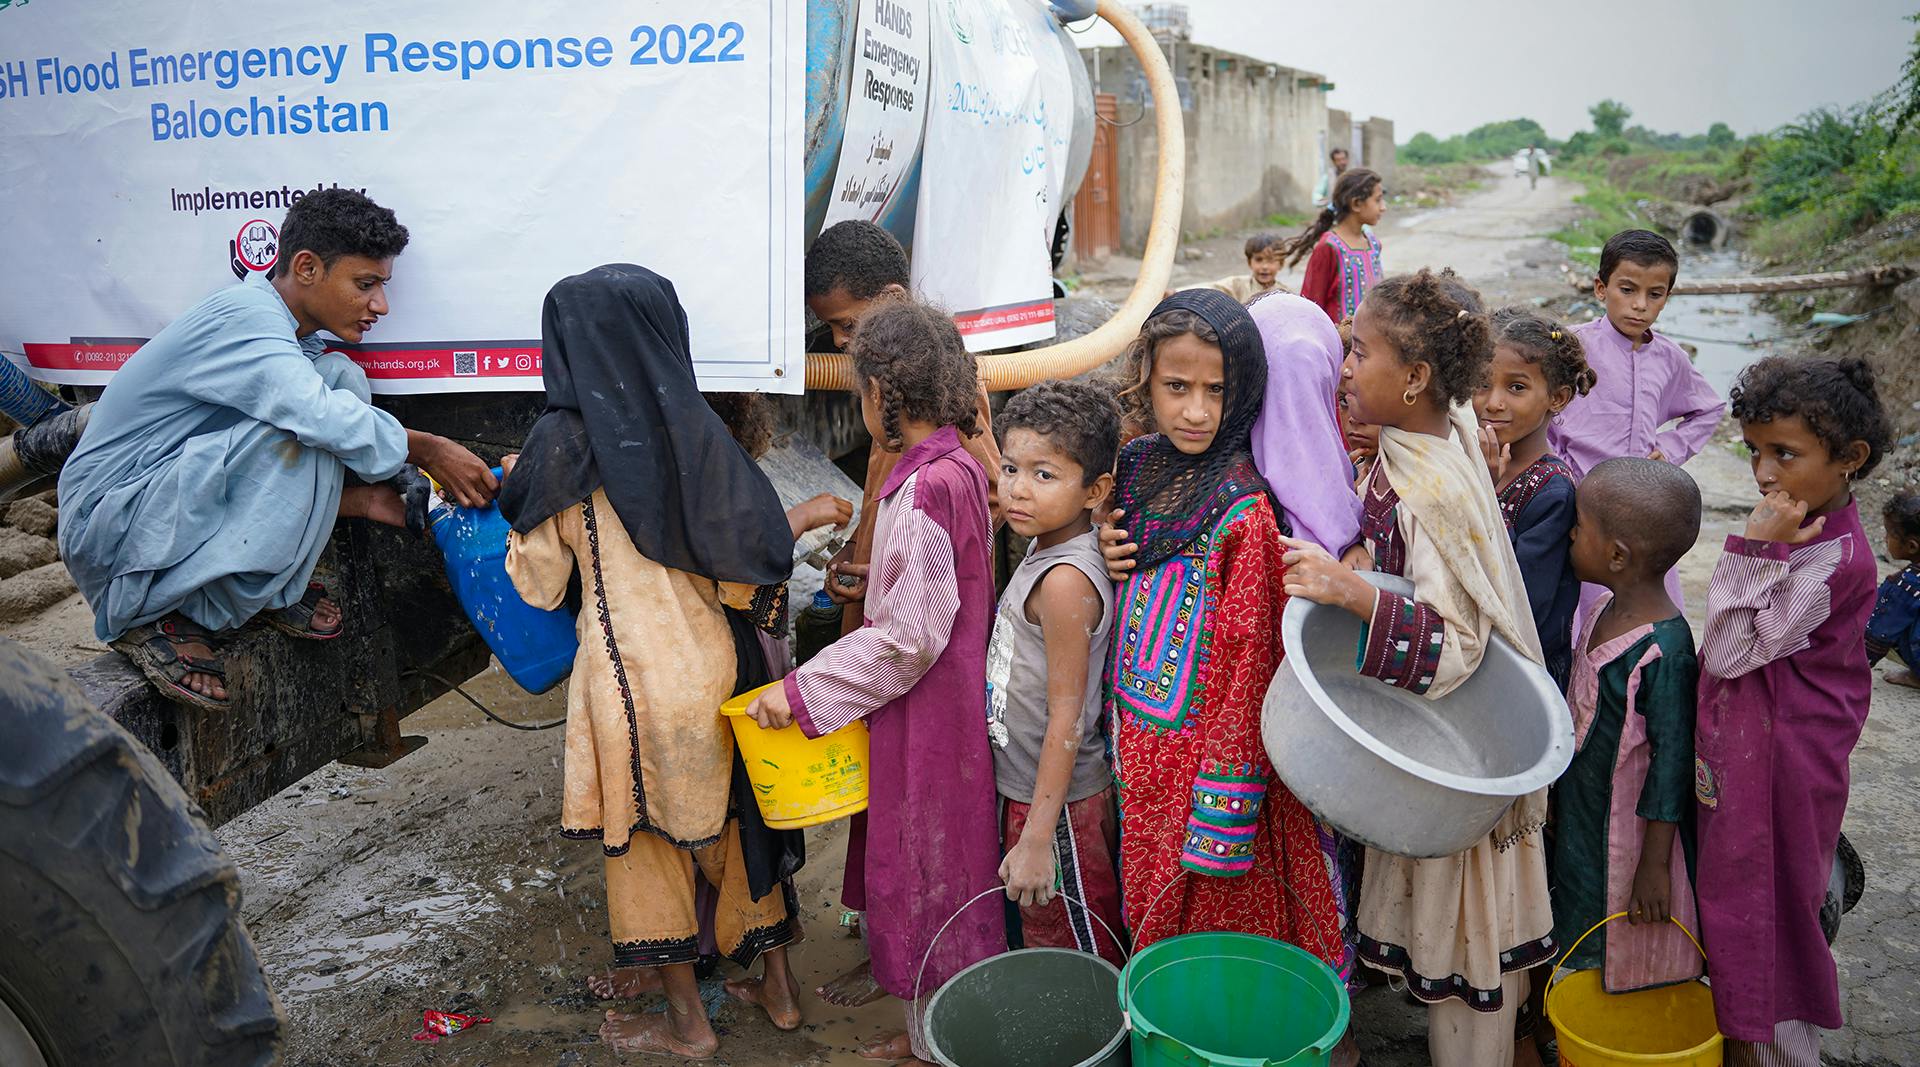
1255, 131
1377, 140
1339, 133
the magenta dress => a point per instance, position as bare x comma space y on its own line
1784, 686
930, 838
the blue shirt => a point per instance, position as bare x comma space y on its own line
210, 471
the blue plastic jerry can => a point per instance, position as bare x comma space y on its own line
536, 647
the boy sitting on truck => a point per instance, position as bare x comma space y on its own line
210, 475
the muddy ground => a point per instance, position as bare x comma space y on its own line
439, 882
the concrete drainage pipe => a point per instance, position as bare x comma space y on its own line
1703, 226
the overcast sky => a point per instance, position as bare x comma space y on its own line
1446, 66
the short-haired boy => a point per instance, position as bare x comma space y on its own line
1263, 269
214, 466
1644, 380
852, 268
1624, 811
1895, 625
1050, 640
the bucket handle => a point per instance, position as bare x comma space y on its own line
1555, 976
982, 895
1180, 872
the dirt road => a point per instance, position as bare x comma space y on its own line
1494, 237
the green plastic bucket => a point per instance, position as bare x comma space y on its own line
1036, 1007
1231, 1000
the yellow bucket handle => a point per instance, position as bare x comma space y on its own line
1555, 976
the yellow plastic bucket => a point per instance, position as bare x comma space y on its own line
799, 780
1672, 1026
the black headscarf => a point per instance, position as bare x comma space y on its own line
1171, 498
624, 413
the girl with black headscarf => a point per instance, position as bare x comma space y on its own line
631, 482
1197, 644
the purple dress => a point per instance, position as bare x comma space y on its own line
930, 838
1784, 686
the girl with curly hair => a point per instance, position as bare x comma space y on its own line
1784, 685
1538, 368
1462, 930
929, 840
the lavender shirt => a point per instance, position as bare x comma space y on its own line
1637, 393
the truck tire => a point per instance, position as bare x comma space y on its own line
120, 932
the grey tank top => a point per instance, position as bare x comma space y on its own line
1017, 678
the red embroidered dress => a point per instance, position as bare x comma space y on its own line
1210, 838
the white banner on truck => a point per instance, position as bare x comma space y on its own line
886, 111
993, 168
149, 153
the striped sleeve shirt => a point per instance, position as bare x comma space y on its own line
1765, 601
913, 598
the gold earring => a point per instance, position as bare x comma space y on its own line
1409, 398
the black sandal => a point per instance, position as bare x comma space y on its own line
153, 649
297, 620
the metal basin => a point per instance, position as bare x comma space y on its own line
1403, 773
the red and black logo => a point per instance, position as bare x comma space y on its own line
255, 249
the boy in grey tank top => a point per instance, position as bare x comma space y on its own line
1044, 665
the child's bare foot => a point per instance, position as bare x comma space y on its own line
780, 1000
852, 989
1347, 1052
625, 983
1902, 676
625, 1032
897, 1048
774, 991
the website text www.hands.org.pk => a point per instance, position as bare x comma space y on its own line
207, 198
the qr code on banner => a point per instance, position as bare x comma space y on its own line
466, 364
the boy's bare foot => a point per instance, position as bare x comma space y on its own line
852, 989
376, 502
625, 983
625, 1032
780, 1000
897, 1048
1902, 676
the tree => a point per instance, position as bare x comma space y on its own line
1720, 135
1907, 89
1610, 117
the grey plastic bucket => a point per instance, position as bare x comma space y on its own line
1406, 774
1034, 1007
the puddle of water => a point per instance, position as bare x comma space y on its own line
1717, 325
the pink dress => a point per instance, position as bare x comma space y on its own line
1784, 686
930, 839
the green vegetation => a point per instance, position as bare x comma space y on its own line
1284, 222
1830, 175
1491, 141
1609, 210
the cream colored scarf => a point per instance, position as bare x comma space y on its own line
1461, 562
